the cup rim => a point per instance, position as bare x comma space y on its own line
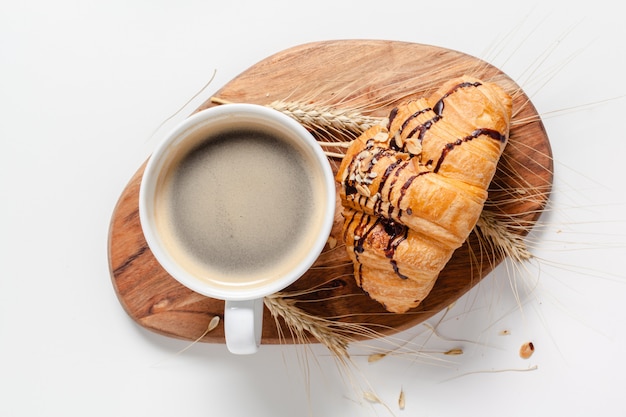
201, 120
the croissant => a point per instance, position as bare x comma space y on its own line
413, 187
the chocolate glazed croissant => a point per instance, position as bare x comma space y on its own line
414, 186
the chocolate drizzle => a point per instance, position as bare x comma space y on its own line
362, 231
439, 106
392, 115
394, 264
493, 134
405, 187
413, 116
379, 203
396, 234
350, 189
423, 128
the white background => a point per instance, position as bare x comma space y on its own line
84, 85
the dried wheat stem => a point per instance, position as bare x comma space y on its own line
500, 238
325, 144
218, 100
338, 155
302, 323
334, 155
318, 117
326, 118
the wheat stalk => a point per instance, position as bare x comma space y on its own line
498, 237
322, 118
301, 324
335, 335
326, 118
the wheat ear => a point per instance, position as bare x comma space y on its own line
326, 118
302, 324
495, 233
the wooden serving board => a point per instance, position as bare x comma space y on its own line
374, 76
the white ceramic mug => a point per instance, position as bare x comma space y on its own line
236, 203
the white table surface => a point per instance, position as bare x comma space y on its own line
84, 85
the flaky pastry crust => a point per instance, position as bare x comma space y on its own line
414, 186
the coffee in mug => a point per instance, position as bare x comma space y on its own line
236, 204
240, 208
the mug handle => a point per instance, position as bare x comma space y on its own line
243, 322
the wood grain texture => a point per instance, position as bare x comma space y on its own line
375, 76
